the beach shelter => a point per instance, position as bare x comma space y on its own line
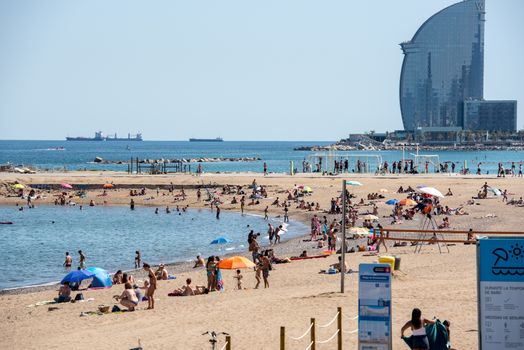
235, 262
359, 231
66, 186
383, 190
18, 186
307, 189
221, 240
77, 276
101, 278
370, 217
496, 192
108, 186
392, 202
353, 183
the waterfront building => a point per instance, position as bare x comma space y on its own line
442, 77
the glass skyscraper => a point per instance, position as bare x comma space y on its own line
443, 66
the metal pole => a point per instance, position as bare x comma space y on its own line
282, 338
228, 342
343, 246
313, 347
339, 326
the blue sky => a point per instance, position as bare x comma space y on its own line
243, 70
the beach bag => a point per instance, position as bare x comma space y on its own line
115, 309
79, 296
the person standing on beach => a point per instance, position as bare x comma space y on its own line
520, 169
218, 212
68, 260
286, 210
242, 204
82, 260
277, 234
418, 339
266, 217
270, 233
199, 195
152, 287
265, 168
137, 259
132, 204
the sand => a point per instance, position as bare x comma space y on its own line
442, 285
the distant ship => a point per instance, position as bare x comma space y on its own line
218, 139
99, 136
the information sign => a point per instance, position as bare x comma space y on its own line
374, 307
500, 266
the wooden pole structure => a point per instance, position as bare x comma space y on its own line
313, 347
282, 338
343, 246
228, 342
339, 326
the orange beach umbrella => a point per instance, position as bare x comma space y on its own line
407, 201
235, 262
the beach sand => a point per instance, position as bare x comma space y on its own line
442, 285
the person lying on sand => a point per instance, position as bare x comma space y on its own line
189, 290
128, 297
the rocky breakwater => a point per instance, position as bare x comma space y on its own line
99, 160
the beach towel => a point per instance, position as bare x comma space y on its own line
437, 336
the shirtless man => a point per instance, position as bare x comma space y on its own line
150, 292
64, 293
161, 273
68, 260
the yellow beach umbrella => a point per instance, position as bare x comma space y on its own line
235, 262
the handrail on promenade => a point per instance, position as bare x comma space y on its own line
384, 235
312, 331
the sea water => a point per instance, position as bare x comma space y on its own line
79, 155
33, 248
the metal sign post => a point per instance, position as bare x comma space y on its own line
343, 245
500, 293
374, 307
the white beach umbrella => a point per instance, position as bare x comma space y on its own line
431, 191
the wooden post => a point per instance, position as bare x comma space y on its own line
282, 338
313, 334
228, 342
339, 326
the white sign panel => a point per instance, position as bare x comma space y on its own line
374, 307
500, 263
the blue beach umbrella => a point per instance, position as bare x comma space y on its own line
392, 202
77, 276
220, 240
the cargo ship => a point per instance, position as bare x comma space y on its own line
218, 139
99, 136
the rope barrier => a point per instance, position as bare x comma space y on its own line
311, 325
350, 332
329, 323
225, 345
350, 318
328, 340
310, 345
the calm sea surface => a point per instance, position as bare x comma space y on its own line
33, 248
80, 154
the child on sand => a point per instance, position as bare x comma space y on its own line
239, 277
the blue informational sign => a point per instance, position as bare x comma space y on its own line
374, 307
500, 264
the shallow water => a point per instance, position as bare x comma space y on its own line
33, 248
